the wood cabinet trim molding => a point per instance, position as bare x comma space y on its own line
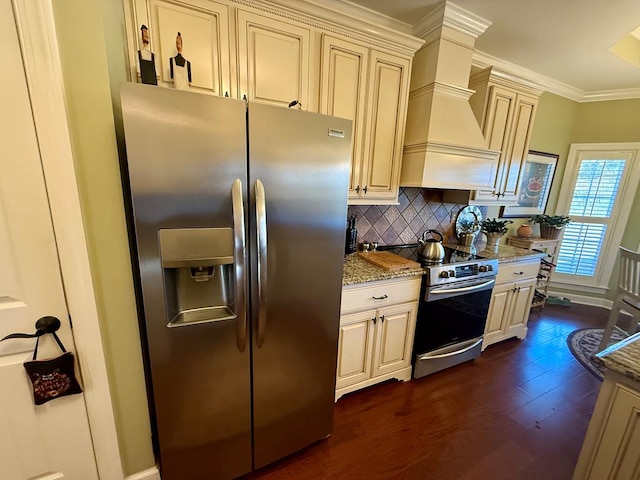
340, 21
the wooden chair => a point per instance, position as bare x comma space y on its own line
627, 295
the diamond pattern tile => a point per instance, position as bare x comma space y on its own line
412, 193
407, 236
372, 214
399, 225
403, 200
419, 209
381, 225
441, 213
390, 237
409, 213
417, 226
391, 214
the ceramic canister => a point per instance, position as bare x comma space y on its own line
525, 230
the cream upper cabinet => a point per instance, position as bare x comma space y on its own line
280, 52
371, 88
388, 89
505, 110
273, 59
345, 66
204, 30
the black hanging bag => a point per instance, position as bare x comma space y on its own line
52, 378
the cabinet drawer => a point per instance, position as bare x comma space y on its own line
512, 272
386, 293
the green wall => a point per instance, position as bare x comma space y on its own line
604, 122
552, 133
560, 122
88, 63
613, 121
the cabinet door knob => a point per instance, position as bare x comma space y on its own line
380, 298
366, 187
358, 189
373, 320
382, 318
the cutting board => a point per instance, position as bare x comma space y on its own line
389, 261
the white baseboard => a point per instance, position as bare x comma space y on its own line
583, 299
150, 474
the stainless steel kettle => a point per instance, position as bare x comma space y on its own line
431, 249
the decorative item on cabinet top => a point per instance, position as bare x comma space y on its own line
228, 64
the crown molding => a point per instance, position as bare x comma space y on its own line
606, 95
367, 23
452, 16
548, 84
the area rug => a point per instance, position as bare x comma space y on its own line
583, 344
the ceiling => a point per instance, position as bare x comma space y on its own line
567, 41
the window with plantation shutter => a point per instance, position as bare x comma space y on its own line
594, 196
597, 191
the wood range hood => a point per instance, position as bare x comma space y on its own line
444, 146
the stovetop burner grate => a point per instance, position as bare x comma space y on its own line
410, 251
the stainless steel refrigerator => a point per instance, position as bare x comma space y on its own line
239, 212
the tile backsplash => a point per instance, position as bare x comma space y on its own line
419, 209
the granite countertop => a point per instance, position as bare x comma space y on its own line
358, 270
623, 357
504, 253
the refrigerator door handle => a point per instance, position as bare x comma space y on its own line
240, 265
261, 240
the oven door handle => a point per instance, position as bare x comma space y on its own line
426, 356
479, 286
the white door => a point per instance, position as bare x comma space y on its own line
50, 441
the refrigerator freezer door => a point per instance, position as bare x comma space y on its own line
302, 159
185, 152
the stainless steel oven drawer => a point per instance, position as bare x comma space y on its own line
445, 357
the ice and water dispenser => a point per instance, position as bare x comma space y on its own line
197, 265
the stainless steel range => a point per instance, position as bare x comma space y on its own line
453, 310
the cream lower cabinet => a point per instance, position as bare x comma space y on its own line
511, 301
377, 326
611, 448
371, 88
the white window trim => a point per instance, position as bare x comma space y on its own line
620, 213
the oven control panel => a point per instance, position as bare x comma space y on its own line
444, 274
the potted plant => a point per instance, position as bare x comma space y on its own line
494, 229
550, 225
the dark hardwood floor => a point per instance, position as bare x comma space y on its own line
520, 411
